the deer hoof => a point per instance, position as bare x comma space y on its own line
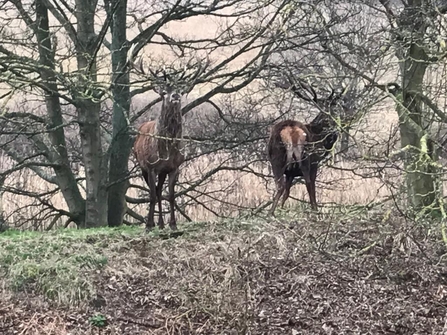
149, 226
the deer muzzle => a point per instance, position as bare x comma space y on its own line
175, 98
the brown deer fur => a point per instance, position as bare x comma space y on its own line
285, 153
157, 149
293, 137
295, 149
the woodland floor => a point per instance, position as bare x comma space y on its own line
339, 273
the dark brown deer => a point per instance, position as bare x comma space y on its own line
158, 145
158, 149
296, 149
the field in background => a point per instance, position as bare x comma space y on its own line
231, 191
247, 190
228, 189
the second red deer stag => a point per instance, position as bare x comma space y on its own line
296, 149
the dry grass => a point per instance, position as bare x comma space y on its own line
344, 272
226, 193
231, 191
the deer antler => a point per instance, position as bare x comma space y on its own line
331, 95
191, 78
309, 89
139, 68
334, 97
289, 83
131, 60
130, 55
294, 85
159, 76
200, 69
166, 77
185, 68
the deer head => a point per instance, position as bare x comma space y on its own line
171, 87
327, 105
169, 92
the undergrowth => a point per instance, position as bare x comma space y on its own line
58, 264
242, 274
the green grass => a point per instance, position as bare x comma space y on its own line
64, 266
223, 275
60, 265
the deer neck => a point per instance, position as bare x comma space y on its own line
169, 123
323, 130
322, 123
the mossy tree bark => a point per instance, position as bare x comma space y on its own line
88, 109
57, 153
121, 140
419, 152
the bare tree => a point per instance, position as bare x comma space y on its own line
121, 141
414, 30
41, 63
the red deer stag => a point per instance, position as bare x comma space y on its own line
158, 145
295, 149
157, 149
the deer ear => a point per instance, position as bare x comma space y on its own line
160, 91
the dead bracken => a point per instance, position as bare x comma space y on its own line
298, 274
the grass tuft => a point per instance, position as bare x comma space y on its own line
59, 265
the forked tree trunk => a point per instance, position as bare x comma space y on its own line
88, 109
58, 154
121, 139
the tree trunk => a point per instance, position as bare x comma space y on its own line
3, 225
420, 157
58, 151
344, 143
88, 109
121, 140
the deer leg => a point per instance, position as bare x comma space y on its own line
287, 186
161, 180
280, 184
152, 200
306, 168
309, 191
145, 176
173, 176
313, 178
